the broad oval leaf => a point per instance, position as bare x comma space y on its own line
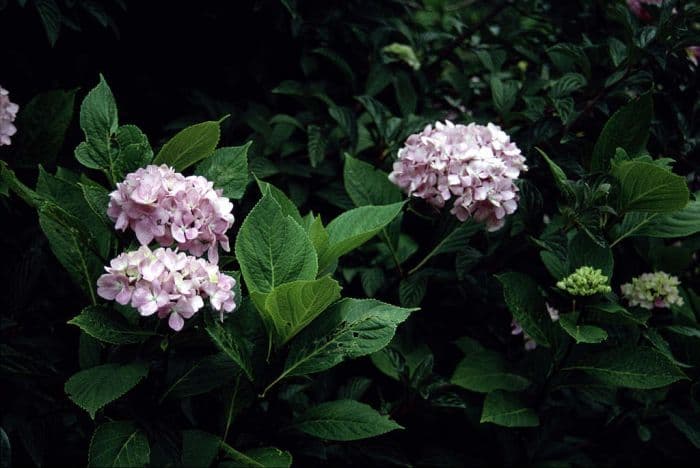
484, 371
189, 145
273, 249
227, 168
637, 367
367, 185
525, 302
108, 326
505, 409
119, 444
649, 188
582, 333
344, 420
93, 388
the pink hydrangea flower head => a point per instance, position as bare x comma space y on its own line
693, 54
8, 113
160, 204
473, 165
167, 282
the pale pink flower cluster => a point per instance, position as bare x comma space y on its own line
158, 203
475, 165
167, 282
693, 54
637, 7
516, 329
8, 112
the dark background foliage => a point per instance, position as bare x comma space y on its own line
171, 64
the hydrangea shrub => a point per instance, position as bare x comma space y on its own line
463, 235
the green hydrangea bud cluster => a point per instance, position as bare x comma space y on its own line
585, 281
651, 290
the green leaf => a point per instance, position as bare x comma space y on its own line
584, 252
405, 94
203, 376
99, 121
42, 125
349, 329
355, 227
563, 184
344, 420
346, 121
273, 249
72, 246
230, 339
503, 94
525, 302
5, 449
228, 169
637, 367
567, 84
108, 326
93, 388
316, 145
412, 289
51, 17
288, 207
689, 426
290, 307
455, 241
682, 223
581, 333
189, 145
97, 198
199, 448
402, 52
367, 185
119, 444
484, 371
505, 409
134, 150
628, 128
649, 188
264, 457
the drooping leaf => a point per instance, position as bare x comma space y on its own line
230, 339
527, 305
344, 420
482, 370
638, 367
203, 376
355, 227
189, 145
581, 333
290, 307
199, 448
349, 329
649, 188
628, 128
584, 252
505, 409
273, 249
264, 457
93, 388
682, 223
367, 185
108, 326
227, 168
119, 444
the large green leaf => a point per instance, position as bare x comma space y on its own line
367, 185
72, 246
273, 249
344, 420
505, 409
682, 223
649, 188
355, 227
189, 145
42, 126
525, 302
119, 444
99, 121
637, 367
349, 329
263, 457
581, 333
228, 169
230, 339
93, 388
288, 207
628, 128
290, 307
484, 371
559, 175
199, 448
108, 326
134, 150
203, 376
